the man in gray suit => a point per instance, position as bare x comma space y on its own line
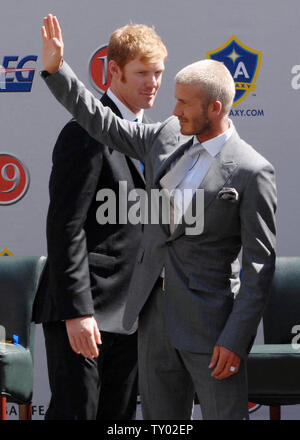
197, 318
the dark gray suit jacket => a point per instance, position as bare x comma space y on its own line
89, 265
205, 302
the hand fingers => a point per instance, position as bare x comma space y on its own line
225, 369
97, 335
84, 345
214, 357
46, 26
226, 372
51, 26
92, 348
91, 342
44, 33
57, 29
84, 336
227, 364
219, 367
73, 343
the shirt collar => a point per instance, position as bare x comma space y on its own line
125, 112
214, 146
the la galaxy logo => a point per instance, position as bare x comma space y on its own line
243, 64
6, 253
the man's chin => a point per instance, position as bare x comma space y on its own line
185, 132
148, 103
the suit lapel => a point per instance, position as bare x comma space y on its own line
136, 162
221, 169
219, 173
107, 102
137, 166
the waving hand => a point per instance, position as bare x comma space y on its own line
53, 46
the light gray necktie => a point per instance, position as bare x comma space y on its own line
177, 173
172, 214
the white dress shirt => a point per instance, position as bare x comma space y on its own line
198, 171
125, 111
194, 176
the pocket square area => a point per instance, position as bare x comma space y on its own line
229, 194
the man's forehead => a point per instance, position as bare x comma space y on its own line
188, 90
142, 61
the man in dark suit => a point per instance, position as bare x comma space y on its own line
197, 316
90, 261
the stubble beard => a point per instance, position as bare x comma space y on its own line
205, 129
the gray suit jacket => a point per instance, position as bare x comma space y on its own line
206, 303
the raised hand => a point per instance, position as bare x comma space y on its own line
53, 46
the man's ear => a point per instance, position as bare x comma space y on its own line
215, 109
114, 69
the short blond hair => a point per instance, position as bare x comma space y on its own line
213, 78
135, 41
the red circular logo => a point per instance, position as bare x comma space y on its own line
14, 179
99, 74
253, 407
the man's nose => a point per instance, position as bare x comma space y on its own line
152, 81
177, 112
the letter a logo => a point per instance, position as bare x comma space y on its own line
243, 64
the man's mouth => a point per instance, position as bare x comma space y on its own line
148, 95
